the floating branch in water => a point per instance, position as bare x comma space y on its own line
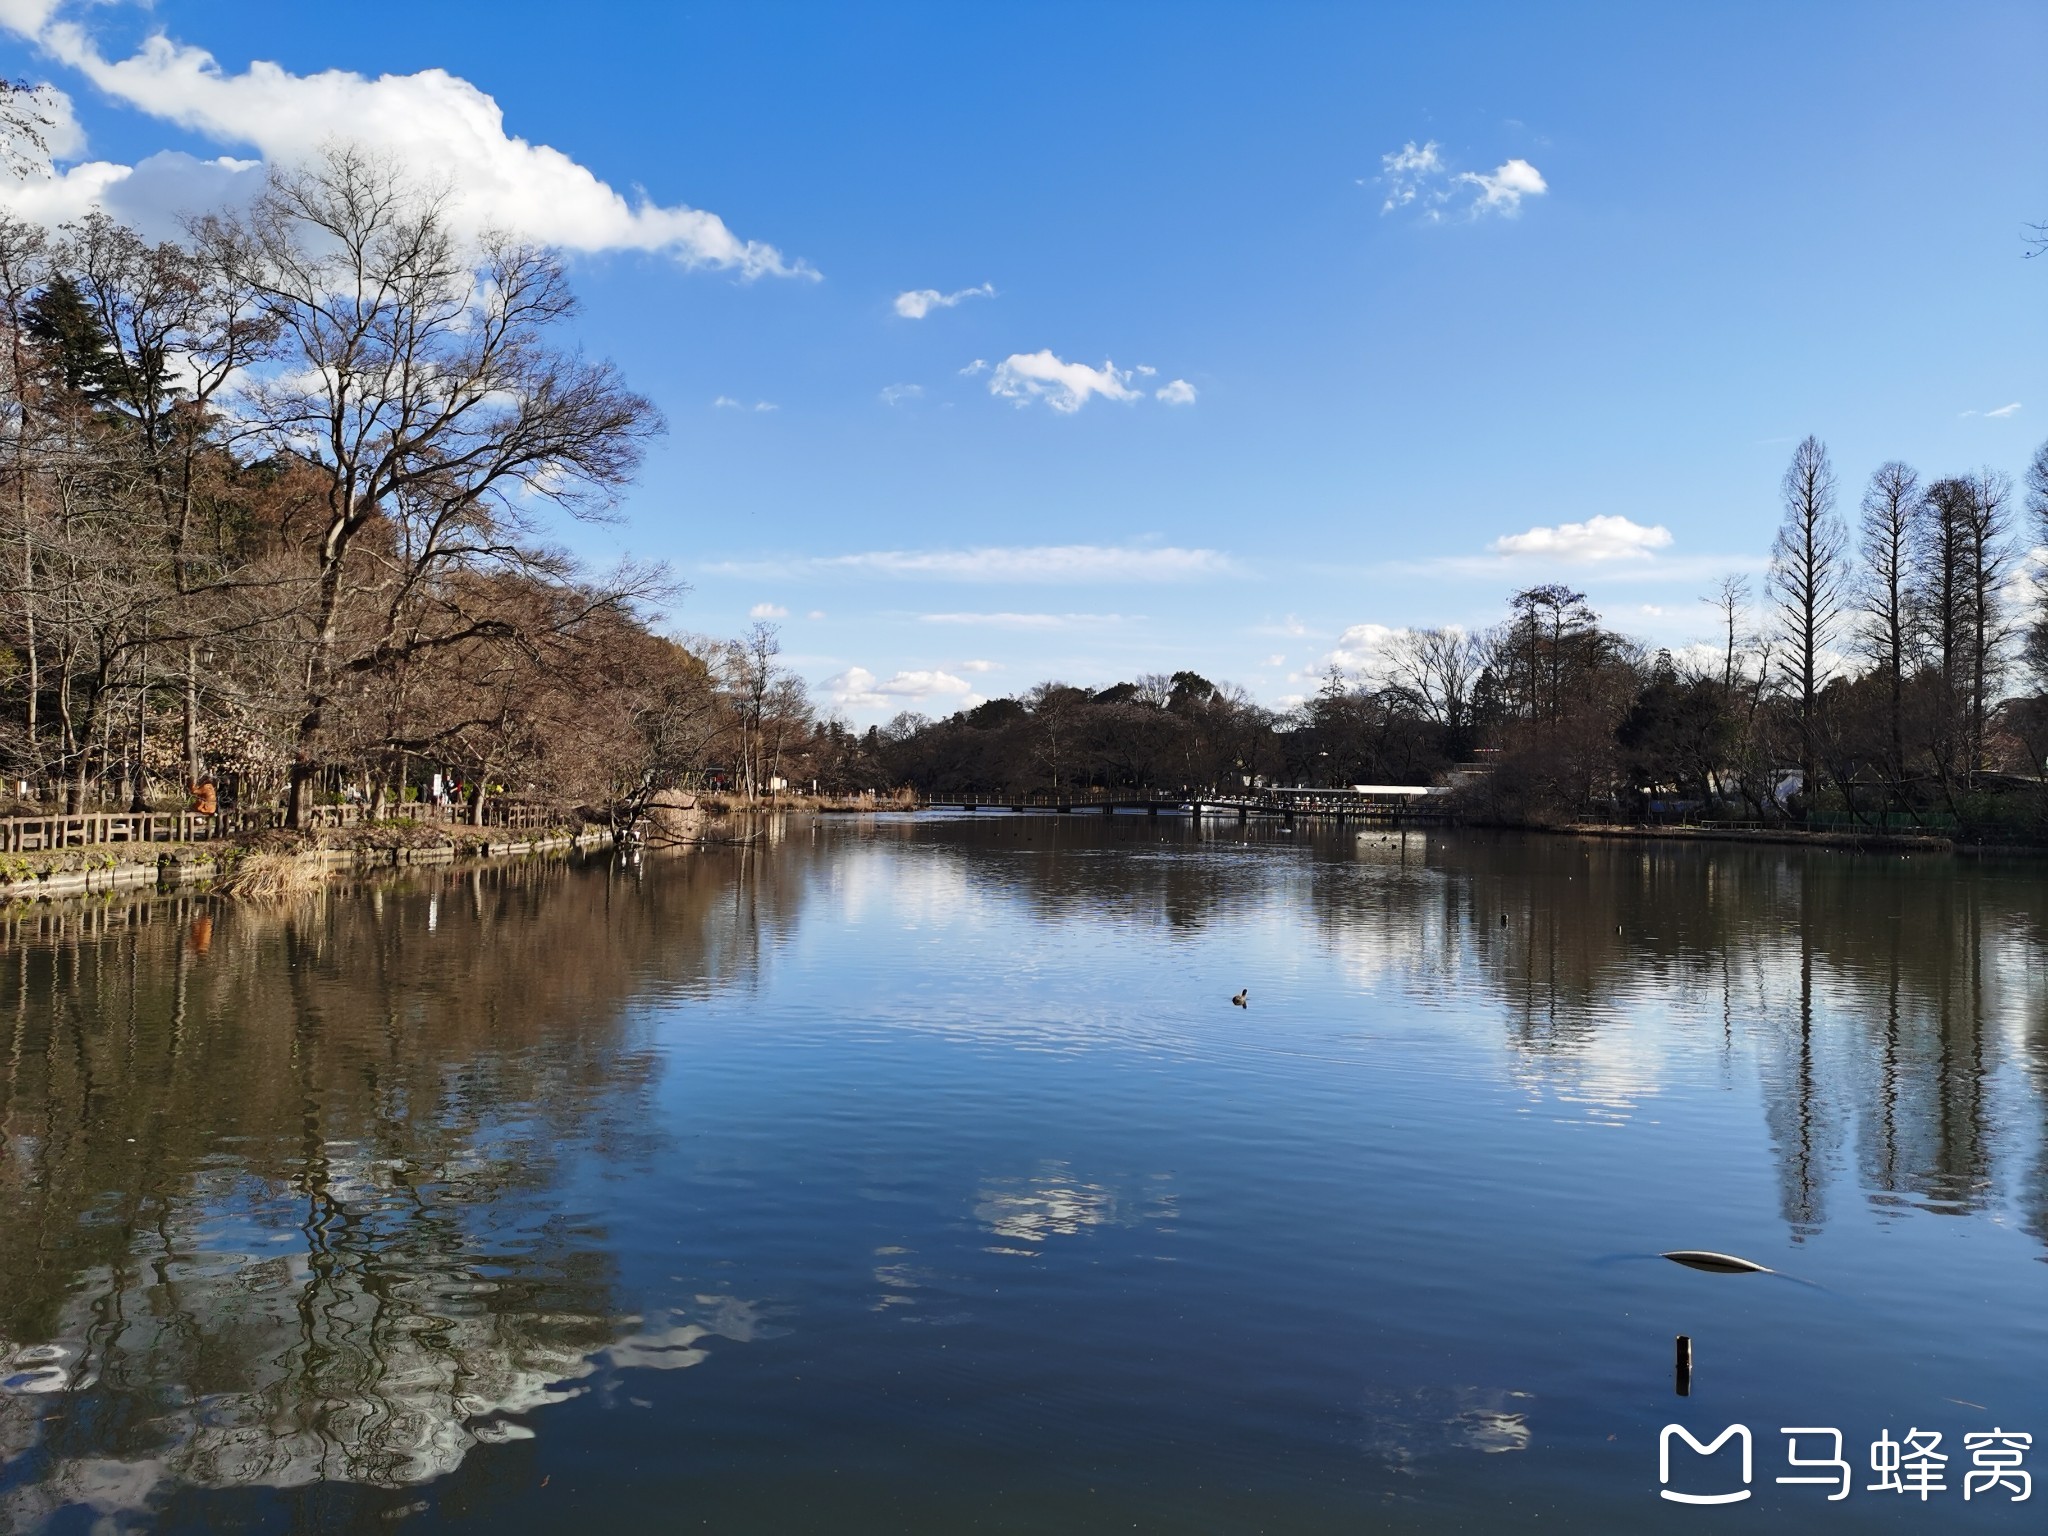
1717, 1263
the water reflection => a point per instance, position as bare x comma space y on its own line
1879, 1002
673, 1344
1407, 1429
307, 1197
1050, 1204
285, 1191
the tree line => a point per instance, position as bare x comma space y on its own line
272, 504
1893, 669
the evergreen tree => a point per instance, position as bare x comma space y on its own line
79, 354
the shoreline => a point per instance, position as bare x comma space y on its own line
111, 867
104, 868
1791, 837
1834, 840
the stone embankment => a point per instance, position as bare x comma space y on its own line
80, 871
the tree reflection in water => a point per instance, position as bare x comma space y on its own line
291, 1197
285, 1190
1883, 999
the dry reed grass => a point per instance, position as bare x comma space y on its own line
268, 874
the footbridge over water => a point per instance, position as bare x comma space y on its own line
1384, 804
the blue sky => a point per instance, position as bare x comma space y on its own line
1633, 256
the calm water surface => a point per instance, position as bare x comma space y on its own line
920, 1177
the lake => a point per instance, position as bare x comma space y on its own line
919, 1175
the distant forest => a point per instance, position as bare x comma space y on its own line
1892, 668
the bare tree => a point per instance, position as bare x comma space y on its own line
26, 118
419, 376
1964, 560
1891, 517
1437, 668
1945, 618
2037, 507
1808, 584
1731, 603
1055, 708
1990, 559
750, 678
1154, 689
788, 715
180, 324
1551, 643
24, 268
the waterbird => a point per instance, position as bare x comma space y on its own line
1717, 1263
1239, 1000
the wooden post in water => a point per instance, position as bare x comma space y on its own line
1682, 1365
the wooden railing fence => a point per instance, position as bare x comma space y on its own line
37, 834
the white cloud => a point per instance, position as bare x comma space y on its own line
980, 666
896, 394
815, 613
1277, 659
919, 302
727, 403
1504, 190
27, 17
1291, 627
1594, 540
1066, 387
154, 195
1014, 563
1026, 620
1410, 174
1044, 562
979, 365
439, 125
767, 611
1179, 392
2004, 410
856, 688
1423, 178
1363, 651
55, 197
